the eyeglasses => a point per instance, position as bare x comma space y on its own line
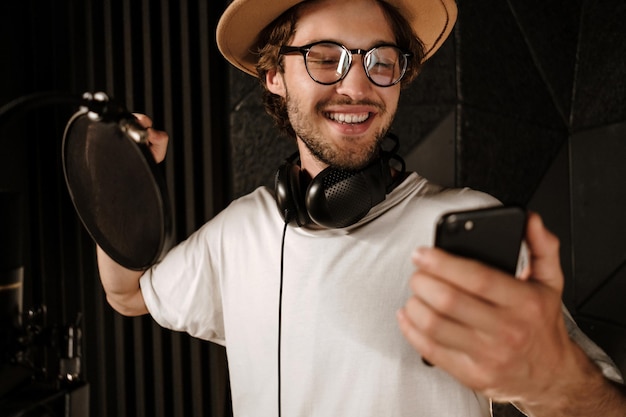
328, 62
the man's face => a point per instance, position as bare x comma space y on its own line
341, 124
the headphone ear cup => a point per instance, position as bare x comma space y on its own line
337, 198
289, 196
282, 192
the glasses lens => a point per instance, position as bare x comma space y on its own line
385, 65
327, 62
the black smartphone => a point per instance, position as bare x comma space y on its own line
491, 235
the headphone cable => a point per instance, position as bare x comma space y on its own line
280, 314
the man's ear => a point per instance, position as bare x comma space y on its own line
275, 82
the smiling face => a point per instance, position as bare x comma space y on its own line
337, 125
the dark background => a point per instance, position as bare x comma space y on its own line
525, 101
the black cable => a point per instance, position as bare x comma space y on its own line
280, 313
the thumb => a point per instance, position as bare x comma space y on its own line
545, 264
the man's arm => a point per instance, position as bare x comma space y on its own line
121, 285
580, 390
505, 337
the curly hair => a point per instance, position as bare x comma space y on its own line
278, 33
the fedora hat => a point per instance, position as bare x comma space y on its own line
243, 20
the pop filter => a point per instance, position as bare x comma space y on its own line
115, 184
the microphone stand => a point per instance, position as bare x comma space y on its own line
25, 386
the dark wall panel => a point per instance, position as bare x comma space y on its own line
513, 120
600, 93
597, 160
156, 57
542, 115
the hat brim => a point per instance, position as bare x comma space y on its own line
239, 27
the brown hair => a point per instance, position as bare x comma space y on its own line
278, 33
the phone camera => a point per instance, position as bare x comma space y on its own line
453, 225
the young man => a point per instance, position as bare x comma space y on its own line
308, 305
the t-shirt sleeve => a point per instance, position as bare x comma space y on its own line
182, 292
595, 353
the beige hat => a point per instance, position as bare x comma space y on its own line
243, 20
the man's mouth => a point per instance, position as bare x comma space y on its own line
348, 118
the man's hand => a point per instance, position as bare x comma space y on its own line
501, 336
157, 139
121, 286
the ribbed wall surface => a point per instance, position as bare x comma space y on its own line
159, 58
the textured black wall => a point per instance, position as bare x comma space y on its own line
543, 116
525, 101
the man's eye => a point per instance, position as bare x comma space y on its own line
384, 65
323, 62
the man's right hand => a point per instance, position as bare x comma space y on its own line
157, 139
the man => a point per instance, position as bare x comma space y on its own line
306, 301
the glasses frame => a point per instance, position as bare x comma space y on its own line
304, 50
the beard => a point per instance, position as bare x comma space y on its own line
324, 150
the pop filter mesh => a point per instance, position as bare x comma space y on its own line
114, 186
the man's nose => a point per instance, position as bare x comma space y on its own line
355, 84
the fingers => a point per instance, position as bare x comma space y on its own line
442, 319
444, 300
157, 139
544, 253
433, 351
143, 120
468, 275
439, 330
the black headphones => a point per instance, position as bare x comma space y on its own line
335, 198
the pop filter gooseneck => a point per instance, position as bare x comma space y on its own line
113, 180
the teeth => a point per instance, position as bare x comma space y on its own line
348, 118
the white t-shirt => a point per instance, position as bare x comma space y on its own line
342, 353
